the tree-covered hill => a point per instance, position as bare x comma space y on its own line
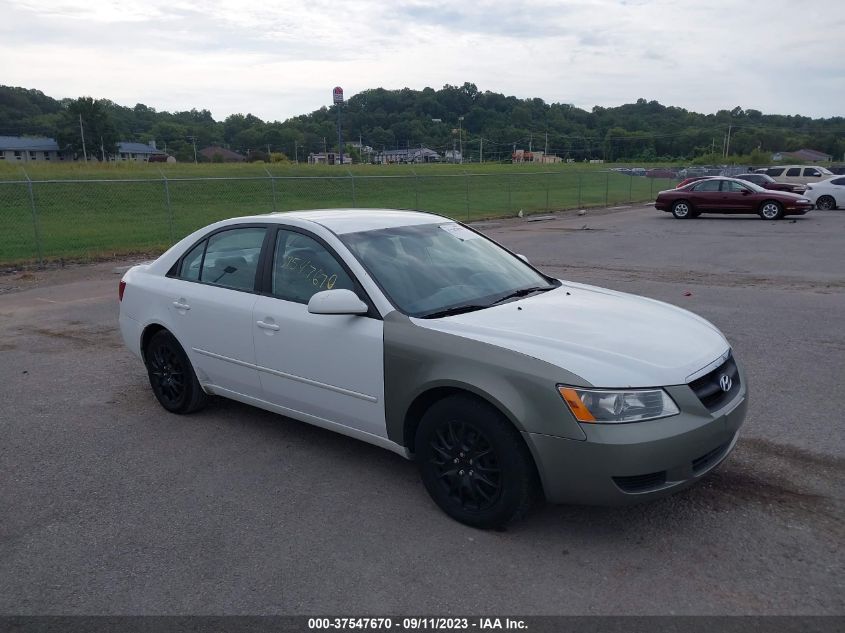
492, 123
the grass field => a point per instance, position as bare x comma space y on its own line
73, 211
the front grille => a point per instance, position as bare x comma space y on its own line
710, 392
708, 459
641, 483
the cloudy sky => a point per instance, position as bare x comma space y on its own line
281, 58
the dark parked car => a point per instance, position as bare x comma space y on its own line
687, 181
661, 173
767, 182
729, 195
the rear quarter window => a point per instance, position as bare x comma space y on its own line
838, 181
774, 172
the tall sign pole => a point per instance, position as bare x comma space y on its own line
337, 97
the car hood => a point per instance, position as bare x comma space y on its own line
608, 338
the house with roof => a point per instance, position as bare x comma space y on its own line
328, 158
139, 152
29, 148
803, 156
407, 155
226, 155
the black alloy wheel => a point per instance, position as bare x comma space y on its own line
172, 377
826, 203
474, 463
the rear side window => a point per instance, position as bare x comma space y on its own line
795, 171
707, 185
231, 258
734, 187
191, 263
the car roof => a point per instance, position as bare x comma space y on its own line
345, 220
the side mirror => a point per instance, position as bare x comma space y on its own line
523, 258
340, 301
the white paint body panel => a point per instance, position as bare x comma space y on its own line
328, 365
827, 188
610, 339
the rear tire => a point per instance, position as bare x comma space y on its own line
826, 203
771, 210
172, 377
682, 210
474, 463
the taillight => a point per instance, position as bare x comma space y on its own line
121, 289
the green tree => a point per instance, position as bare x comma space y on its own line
100, 133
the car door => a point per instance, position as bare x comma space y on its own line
810, 175
705, 196
737, 198
326, 365
792, 176
211, 300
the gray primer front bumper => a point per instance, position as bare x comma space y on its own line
583, 472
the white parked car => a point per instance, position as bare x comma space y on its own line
799, 174
827, 194
415, 333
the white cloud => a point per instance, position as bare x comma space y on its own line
282, 59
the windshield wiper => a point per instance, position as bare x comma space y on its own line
522, 292
469, 307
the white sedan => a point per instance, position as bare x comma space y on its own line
417, 334
827, 194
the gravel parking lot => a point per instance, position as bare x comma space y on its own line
112, 506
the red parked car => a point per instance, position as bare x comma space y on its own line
729, 195
767, 182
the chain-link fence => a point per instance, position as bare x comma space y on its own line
86, 219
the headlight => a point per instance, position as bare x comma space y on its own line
610, 406
803, 200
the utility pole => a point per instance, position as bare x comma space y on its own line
102, 150
481, 149
728, 142
325, 149
546, 152
82, 134
461, 136
268, 151
296, 152
193, 140
530, 142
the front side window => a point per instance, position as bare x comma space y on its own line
708, 185
795, 171
733, 187
774, 172
812, 172
431, 269
231, 258
302, 267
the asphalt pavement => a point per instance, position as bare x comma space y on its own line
110, 505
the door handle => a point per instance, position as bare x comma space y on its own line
181, 306
267, 326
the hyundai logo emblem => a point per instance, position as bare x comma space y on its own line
726, 383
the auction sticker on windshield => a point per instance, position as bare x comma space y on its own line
461, 232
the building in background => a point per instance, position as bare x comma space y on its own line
29, 148
140, 152
521, 156
803, 156
407, 155
328, 158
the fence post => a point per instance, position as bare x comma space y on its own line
466, 179
349, 173
416, 191
579, 189
651, 188
606, 187
630, 184
272, 188
547, 192
38, 248
510, 198
169, 208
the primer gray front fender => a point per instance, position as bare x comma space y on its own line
418, 360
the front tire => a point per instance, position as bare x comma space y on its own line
826, 203
682, 210
172, 377
474, 463
771, 210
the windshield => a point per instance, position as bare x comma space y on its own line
430, 270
